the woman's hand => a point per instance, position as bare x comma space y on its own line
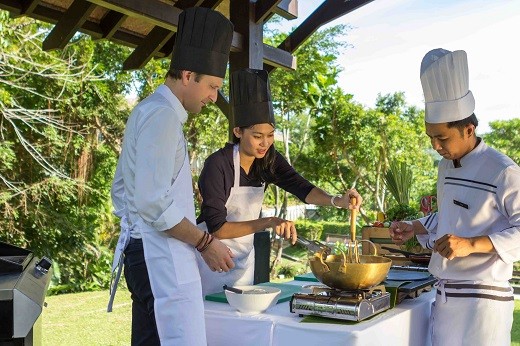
284, 228
344, 201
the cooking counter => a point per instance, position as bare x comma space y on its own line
405, 324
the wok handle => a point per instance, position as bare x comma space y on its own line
371, 243
353, 216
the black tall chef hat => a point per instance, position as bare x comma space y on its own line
251, 98
202, 42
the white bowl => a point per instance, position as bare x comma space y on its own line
255, 299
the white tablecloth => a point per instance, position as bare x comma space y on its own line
405, 324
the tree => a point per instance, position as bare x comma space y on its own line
504, 136
58, 112
297, 94
354, 146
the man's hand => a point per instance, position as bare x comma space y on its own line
451, 246
401, 231
284, 228
218, 256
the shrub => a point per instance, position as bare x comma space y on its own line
330, 214
315, 230
332, 227
309, 229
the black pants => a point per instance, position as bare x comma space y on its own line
144, 328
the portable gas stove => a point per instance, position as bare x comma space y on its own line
352, 305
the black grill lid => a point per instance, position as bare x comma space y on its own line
13, 259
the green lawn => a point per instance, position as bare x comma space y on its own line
81, 319
515, 332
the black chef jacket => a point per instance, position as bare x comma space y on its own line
217, 178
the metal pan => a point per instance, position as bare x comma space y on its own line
425, 259
412, 256
337, 272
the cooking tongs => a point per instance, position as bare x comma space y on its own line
314, 246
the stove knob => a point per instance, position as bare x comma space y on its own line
44, 265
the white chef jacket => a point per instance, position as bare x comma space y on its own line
152, 192
480, 198
160, 153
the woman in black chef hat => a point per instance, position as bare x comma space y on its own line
234, 179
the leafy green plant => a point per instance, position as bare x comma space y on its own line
339, 248
288, 270
401, 212
404, 212
411, 244
398, 180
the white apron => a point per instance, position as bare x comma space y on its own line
472, 313
173, 273
244, 204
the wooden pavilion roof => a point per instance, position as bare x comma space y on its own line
149, 26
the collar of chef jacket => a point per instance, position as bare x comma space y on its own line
474, 153
180, 112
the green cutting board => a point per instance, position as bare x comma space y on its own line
286, 294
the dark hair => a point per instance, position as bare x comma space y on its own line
461, 124
262, 169
177, 74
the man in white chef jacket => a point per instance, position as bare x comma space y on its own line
475, 235
152, 191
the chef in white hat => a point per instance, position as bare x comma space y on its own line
475, 235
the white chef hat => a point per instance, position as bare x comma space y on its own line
445, 83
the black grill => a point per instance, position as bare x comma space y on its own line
24, 280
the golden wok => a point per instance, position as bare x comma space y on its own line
337, 272
350, 270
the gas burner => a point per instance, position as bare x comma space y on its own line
352, 305
355, 294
